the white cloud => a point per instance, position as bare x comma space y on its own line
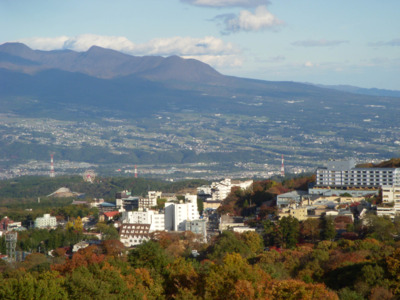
208, 49
247, 21
319, 43
308, 64
219, 60
227, 3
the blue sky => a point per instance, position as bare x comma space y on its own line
327, 42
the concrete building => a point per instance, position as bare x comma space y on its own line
241, 229
227, 222
154, 219
46, 222
390, 193
389, 211
7, 224
176, 214
287, 199
345, 174
300, 213
198, 227
134, 234
128, 203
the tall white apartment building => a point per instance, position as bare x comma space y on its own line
176, 214
45, 221
345, 174
151, 217
391, 193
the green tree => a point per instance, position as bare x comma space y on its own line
328, 231
287, 232
149, 255
109, 232
380, 228
229, 242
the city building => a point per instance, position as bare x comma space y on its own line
127, 204
300, 213
345, 174
390, 211
155, 219
390, 193
108, 216
134, 234
46, 221
290, 198
176, 214
7, 224
227, 222
214, 194
198, 227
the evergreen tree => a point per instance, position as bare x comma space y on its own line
328, 228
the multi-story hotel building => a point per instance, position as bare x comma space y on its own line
345, 174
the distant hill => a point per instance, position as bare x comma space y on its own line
182, 111
392, 163
363, 91
104, 63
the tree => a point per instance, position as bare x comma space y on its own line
228, 242
286, 233
113, 248
149, 255
253, 240
310, 229
328, 231
109, 232
380, 228
78, 225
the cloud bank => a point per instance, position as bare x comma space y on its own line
261, 19
319, 43
208, 49
393, 43
227, 3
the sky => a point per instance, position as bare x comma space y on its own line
346, 42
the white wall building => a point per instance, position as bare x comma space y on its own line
220, 190
176, 214
134, 234
151, 217
391, 193
345, 174
391, 212
45, 221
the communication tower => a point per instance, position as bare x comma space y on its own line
135, 171
11, 244
52, 174
283, 168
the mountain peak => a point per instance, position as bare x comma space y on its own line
16, 49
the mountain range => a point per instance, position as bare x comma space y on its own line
225, 111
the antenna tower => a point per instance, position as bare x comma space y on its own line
52, 166
283, 167
11, 244
135, 171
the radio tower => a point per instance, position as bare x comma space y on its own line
283, 168
135, 171
51, 166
